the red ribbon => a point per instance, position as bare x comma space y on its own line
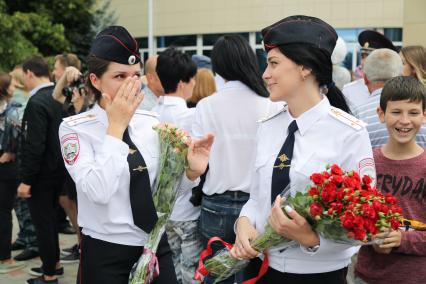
202, 270
153, 267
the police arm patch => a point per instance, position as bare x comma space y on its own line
70, 146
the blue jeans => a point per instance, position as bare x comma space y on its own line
217, 218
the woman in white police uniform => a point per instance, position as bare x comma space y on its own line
310, 133
111, 152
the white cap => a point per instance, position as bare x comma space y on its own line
339, 52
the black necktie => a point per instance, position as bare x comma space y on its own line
281, 172
143, 209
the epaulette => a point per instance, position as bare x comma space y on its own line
80, 118
283, 109
356, 82
347, 119
147, 112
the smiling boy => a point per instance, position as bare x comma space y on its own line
401, 171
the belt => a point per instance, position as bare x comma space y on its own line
234, 194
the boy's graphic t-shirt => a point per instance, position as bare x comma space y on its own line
406, 180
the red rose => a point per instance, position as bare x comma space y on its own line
360, 234
337, 179
313, 191
395, 223
385, 209
336, 170
340, 194
318, 179
316, 209
366, 180
348, 182
396, 209
390, 199
377, 205
328, 193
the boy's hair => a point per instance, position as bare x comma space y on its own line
174, 66
38, 65
403, 88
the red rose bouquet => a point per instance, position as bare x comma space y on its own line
339, 205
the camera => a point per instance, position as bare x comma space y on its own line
79, 84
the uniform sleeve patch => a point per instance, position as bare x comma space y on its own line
70, 146
367, 167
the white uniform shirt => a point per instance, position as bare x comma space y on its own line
231, 114
98, 165
320, 140
356, 93
150, 100
174, 110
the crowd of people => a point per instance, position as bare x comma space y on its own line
84, 145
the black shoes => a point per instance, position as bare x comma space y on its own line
26, 255
38, 271
17, 246
73, 256
67, 251
41, 280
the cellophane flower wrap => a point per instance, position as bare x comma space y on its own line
339, 205
173, 151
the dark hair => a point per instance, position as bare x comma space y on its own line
174, 66
38, 65
234, 59
5, 81
319, 61
98, 67
402, 88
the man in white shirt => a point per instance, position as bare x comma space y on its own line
176, 71
153, 89
356, 92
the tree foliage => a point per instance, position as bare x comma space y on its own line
49, 27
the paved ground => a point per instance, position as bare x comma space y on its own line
20, 276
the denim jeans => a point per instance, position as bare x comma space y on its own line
217, 218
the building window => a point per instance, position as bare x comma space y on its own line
182, 40
210, 39
394, 34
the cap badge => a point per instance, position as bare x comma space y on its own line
132, 59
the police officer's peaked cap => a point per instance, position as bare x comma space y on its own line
300, 29
371, 40
116, 44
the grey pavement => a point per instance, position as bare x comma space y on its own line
20, 276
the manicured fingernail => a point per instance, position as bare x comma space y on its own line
288, 209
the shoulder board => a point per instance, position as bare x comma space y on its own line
80, 118
353, 83
346, 118
147, 112
283, 109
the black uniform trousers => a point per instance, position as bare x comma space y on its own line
104, 262
7, 198
43, 205
273, 276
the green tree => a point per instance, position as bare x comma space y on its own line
50, 27
25, 34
